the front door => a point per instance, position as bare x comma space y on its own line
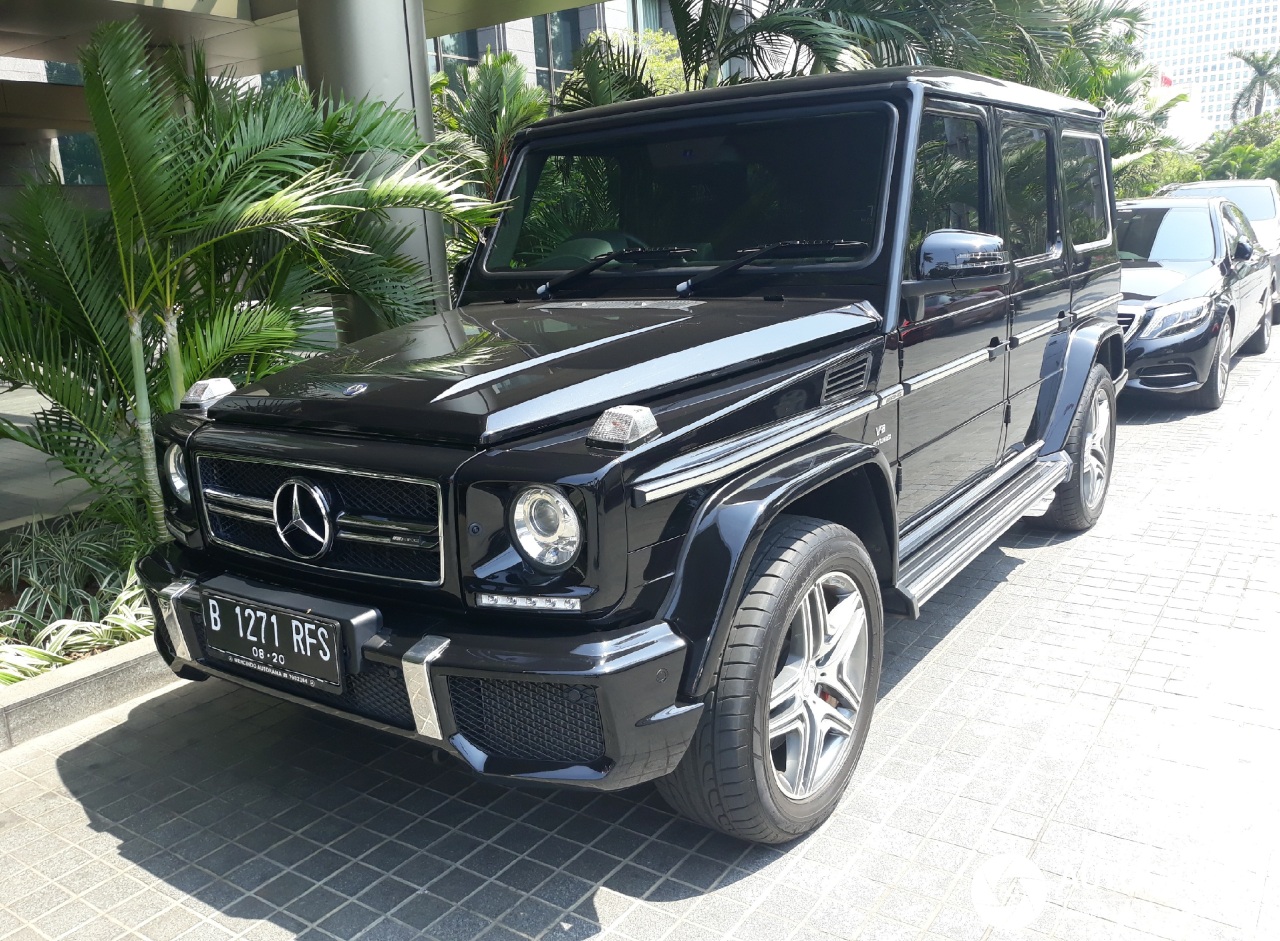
1253, 275
951, 418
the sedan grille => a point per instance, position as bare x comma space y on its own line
382, 527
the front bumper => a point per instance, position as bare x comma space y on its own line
595, 710
1174, 364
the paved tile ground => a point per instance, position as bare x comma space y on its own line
30, 485
1096, 716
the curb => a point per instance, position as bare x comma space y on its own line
69, 693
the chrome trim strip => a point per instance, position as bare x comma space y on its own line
241, 515
416, 664
239, 500
947, 370
384, 525
326, 468
725, 457
1044, 329
394, 540
168, 598
930, 526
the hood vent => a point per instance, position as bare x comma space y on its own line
846, 378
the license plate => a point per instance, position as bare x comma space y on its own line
291, 645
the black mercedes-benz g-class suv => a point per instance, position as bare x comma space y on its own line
737, 370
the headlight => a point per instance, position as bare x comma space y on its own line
1178, 317
175, 468
546, 529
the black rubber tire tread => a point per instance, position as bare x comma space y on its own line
1069, 513
715, 783
1260, 342
1206, 398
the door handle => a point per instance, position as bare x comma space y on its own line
995, 348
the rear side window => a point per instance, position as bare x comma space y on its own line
1085, 212
1024, 154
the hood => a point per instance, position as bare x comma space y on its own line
491, 372
1157, 284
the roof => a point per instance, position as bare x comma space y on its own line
947, 82
1218, 184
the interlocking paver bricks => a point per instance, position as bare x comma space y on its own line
1103, 706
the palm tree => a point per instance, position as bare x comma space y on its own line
786, 37
606, 71
1265, 78
232, 211
491, 104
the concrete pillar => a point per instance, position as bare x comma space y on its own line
377, 49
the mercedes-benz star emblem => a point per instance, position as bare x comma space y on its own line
355, 388
302, 518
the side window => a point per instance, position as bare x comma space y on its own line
1088, 221
1024, 154
948, 192
1242, 223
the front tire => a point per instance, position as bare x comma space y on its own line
1261, 339
1213, 393
1091, 444
787, 719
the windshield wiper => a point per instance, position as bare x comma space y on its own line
775, 250
631, 255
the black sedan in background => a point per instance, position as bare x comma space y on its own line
1197, 287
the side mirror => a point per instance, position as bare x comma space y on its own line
1244, 249
958, 259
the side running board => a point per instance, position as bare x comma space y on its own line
923, 573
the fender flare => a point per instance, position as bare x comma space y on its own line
1096, 340
727, 530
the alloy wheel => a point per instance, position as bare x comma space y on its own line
1224, 359
1096, 461
818, 686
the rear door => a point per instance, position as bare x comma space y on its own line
1041, 291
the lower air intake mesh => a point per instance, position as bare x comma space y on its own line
551, 722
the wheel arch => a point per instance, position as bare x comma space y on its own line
832, 479
1097, 341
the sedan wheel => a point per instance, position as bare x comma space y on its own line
818, 687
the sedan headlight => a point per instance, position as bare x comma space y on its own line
1178, 317
545, 527
175, 468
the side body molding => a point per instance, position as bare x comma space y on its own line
728, 528
1092, 341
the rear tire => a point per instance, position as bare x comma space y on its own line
784, 725
1091, 444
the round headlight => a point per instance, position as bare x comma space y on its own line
546, 529
175, 468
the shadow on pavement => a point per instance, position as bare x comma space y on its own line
263, 810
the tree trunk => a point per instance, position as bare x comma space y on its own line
173, 352
146, 439
1259, 102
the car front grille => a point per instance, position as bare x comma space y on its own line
1129, 318
384, 527
553, 722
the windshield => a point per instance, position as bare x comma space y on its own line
1166, 235
1258, 202
716, 189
